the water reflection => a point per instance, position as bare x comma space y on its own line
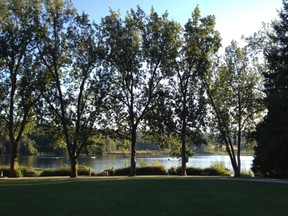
119, 161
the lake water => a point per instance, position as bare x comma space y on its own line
120, 161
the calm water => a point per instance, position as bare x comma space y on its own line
119, 161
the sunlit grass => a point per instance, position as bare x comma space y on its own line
144, 196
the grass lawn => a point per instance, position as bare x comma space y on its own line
140, 196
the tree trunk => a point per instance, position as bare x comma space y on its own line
183, 161
74, 166
183, 135
13, 160
133, 151
238, 171
231, 152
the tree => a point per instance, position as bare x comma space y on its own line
271, 154
201, 40
140, 48
76, 84
235, 100
19, 73
180, 111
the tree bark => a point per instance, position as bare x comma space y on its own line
183, 161
74, 166
13, 159
183, 132
133, 151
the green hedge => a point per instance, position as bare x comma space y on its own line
20, 171
148, 170
66, 171
151, 170
122, 171
217, 169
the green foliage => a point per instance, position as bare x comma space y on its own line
247, 174
175, 148
151, 170
20, 171
126, 146
178, 116
122, 171
148, 170
235, 99
217, 169
65, 170
19, 72
28, 171
143, 163
5, 169
271, 152
141, 50
27, 146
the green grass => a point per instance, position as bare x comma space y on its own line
163, 196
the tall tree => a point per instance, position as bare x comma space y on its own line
140, 49
201, 41
19, 72
71, 50
271, 154
235, 100
180, 112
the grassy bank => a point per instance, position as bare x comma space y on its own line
179, 196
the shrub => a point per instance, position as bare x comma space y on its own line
148, 170
28, 171
53, 172
122, 171
20, 171
151, 170
143, 163
247, 174
193, 171
217, 169
5, 169
85, 170
172, 171
65, 170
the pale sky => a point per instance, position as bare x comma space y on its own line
234, 18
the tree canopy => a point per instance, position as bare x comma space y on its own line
271, 152
139, 73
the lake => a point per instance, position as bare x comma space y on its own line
120, 161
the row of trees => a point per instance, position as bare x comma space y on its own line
271, 153
143, 72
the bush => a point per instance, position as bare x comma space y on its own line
65, 170
53, 172
151, 170
28, 171
247, 174
148, 170
20, 171
85, 170
172, 171
194, 171
5, 169
189, 171
217, 169
122, 171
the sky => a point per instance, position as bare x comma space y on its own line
234, 18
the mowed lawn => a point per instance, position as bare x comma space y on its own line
140, 196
